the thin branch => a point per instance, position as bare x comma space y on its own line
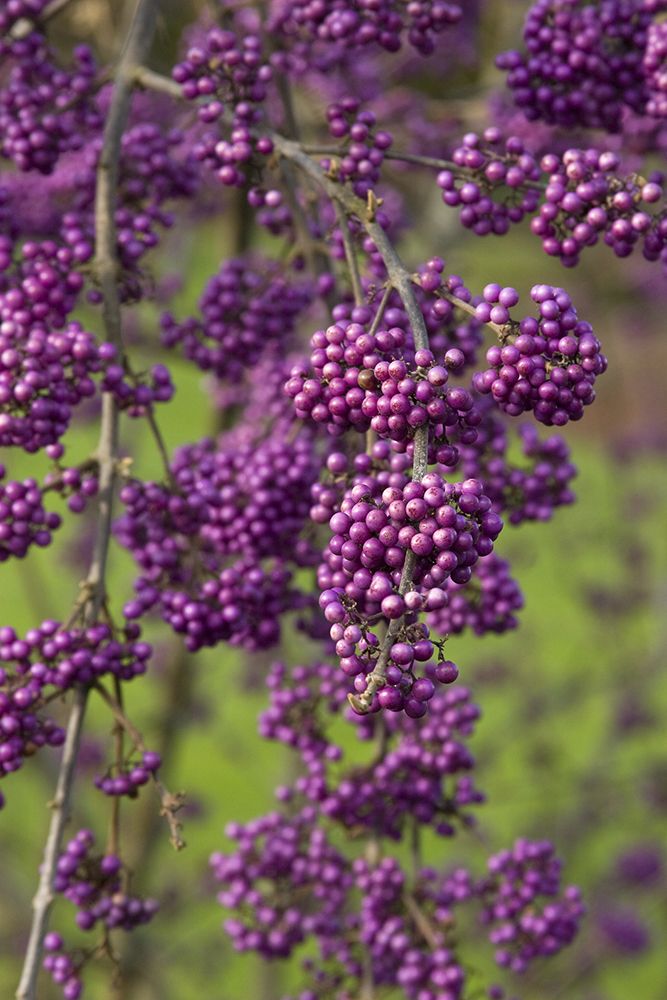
350, 257
138, 43
422, 922
501, 330
170, 802
150, 80
377, 319
398, 274
26, 25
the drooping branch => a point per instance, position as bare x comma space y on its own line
106, 264
400, 279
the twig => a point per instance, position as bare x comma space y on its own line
501, 330
433, 162
421, 921
350, 257
138, 43
377, 319
170, 802
398, 274
150, 80
23, 27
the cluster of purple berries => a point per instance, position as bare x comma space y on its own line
45, 110
77, 483
584, 63
362, 380
134, 394
285, 881
445, 528
128, 778
42, 287
52, 659
361, 161
200, 542
250, 304
44, 374
585, 200
487, 603
370, 22
23, 520
655, 69
230, 75
520, 930
94, 883
156, 166
494, 180
417, 772
305, 883
547, 365
526, 492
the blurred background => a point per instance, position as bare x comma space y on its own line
571, 745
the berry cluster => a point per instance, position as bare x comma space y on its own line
424, 774
53, 659
200, 541
41, 288
546, 365
528, 492
486, 604
230, 75
247, 306
44, 374
127, 779
655, 69
520, 930
44, 110
285, 882
584, 62
23, 520
306, 877
361, 161
345, 24
134, 394
444, 528
494, 180
361, 379
586, 200
156, 166
94, 883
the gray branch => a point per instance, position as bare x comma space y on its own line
136, 49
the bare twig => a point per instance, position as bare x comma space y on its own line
350, 257
138, 43
149, 80
501, 330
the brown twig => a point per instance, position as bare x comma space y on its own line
138, 43
24, 26
350, 257
170, 802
